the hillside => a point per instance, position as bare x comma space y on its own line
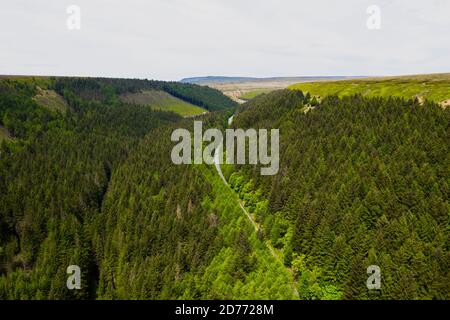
363, 181
109, 91
160, 100
216, 79
432, 87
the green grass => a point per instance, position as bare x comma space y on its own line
160, 100
254, 93
51, 100
434, 88
41, 81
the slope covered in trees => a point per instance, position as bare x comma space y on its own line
169, 232
362, 181
161, 100
108, 90
53, 179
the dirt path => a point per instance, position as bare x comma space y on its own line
255, 225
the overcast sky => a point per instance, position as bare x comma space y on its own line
172, 39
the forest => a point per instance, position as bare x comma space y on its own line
93, 188
362, 181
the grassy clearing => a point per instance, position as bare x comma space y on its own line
254, 93
160, 100
41, 81
51, 100
433, 87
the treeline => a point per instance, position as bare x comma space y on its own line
362, 181
107, 90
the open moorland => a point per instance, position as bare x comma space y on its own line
434, 87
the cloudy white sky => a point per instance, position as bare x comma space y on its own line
172, 39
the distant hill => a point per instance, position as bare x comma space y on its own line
241, 89
216, 79
221, 79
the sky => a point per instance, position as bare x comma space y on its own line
173, 39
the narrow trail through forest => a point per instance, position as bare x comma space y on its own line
256, 226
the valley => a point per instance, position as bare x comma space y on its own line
88, 180
242, 89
